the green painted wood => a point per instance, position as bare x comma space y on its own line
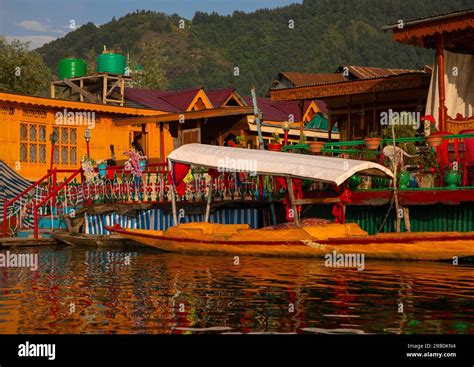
432, 218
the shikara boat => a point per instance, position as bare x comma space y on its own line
80, 239
313, 241
300, 241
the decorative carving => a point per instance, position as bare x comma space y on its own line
39, 114
456, 125
7, 111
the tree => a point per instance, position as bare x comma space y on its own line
22, 71
154, 63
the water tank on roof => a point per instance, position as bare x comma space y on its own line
71, 68
110, 62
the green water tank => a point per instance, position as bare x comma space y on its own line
71, 68
111, 63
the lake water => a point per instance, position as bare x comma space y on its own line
141, 290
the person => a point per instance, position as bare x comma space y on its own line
137, 144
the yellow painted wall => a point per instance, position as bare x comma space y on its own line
103, 134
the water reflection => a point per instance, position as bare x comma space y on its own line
139, 290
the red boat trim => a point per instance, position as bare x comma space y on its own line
410, 239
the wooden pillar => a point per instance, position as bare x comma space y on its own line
350, 135
441, 86
173, 196
53, 90
180, 135
329, 127
374, 114
291, 194
122, 92
208, 204
104, 89
162, 142
81, 85
145, 145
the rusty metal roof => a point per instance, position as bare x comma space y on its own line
431, 18
299, 79
367, 72
355, 73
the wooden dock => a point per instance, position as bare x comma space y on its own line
16, 241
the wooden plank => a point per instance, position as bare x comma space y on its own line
81, 91
311, 201
289, 185
190, 115
15, 241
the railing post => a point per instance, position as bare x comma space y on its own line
5, 218
55, 178
35, 213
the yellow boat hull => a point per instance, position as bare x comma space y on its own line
312, 241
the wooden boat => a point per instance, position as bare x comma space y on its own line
313, 241
80, 239
300, 241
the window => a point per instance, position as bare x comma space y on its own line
65, 149
32, 143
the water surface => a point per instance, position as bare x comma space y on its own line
143, 291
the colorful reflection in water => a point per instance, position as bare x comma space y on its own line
140, 290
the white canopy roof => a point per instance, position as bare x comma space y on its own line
312, 167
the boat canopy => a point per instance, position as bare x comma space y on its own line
311, 167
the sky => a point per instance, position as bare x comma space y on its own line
42, 21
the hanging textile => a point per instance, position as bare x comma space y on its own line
338, 210
459, 82
180, 170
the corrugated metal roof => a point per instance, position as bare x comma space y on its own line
299, 79
367, 72
150, 98
269, 112
219, 96
389, 75
431, 18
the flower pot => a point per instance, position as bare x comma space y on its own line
451, 178
102, 168
372, 143
316, 146
425, 180
404, 179
275, 147
436, 139
354, 182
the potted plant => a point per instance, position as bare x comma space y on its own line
136, 162
404, 178
316, 146
241, 140
275, 143
435, 139
428, 167
87, 165
372, 142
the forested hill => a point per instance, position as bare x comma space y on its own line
326, 33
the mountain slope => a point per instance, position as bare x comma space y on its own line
210, 47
